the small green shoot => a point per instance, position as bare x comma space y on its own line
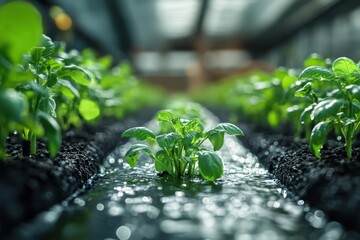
180, 150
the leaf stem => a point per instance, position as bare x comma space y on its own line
3, 135
32, 143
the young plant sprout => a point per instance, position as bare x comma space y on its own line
338, 109
181, 150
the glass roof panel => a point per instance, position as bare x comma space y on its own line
177, 18
223, 17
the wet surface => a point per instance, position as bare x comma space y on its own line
134, 203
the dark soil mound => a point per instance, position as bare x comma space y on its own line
31, 185
331, 184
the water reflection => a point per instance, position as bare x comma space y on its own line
245, 203
135, 203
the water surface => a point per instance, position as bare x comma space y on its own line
135, 203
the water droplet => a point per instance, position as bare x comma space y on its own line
284, 193
319, 214
147, 199
111, 160
115, 211
205, 200
179, 194
123, 233
300, 202
100, 207
79, 202
276, 204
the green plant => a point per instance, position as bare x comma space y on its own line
181, 149
335, 95
13, 104
45, 90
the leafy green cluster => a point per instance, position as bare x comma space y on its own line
257, 96
334, 93
44, 89
323, 97
180, 148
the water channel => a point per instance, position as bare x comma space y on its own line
135, 203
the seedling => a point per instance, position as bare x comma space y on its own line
338, 109
181, 150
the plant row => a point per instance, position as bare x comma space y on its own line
45, 90
322, 98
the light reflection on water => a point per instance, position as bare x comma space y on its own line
134, 203
246, 203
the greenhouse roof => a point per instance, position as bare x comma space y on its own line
166, 24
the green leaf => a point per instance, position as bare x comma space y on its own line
20, 28
51, 80
217, 140
48, 45
280, 73
287, 81
305, 115
168, 140
318, 73
273, 118
304, 91
13, 105
52, 132
210, 165
35, 88
133, 153
354, 90
140, 133
36, 53
190, 138
53, 65
5, 64
165, 116
294, 109
348, 121
314, 60
326, 109
178, 125
89, 109
75, 73
48, 106
318, 136
344, 66
356, 107
68, 89
193, 124
163, 162
227, 128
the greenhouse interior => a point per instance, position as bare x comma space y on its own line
192, 119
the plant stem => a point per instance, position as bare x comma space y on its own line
350, 131
348, 141
3, 134
191, 169
183, 168
32, 143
